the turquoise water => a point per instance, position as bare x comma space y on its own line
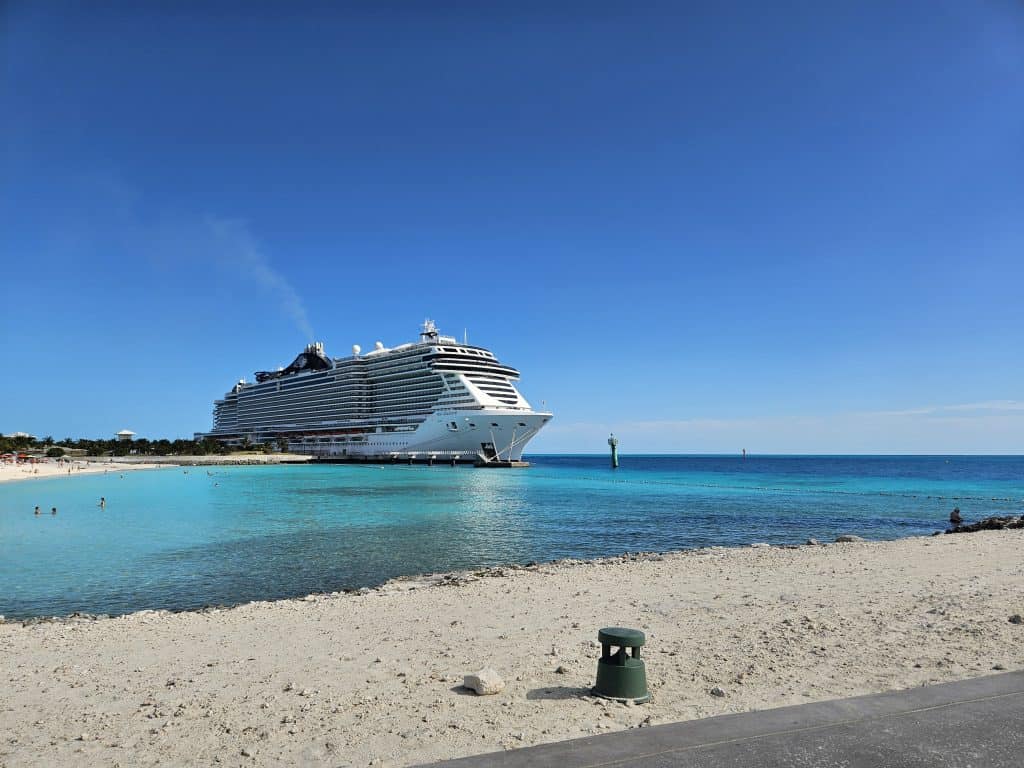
175, 539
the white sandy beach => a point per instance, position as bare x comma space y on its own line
93, 465
359, 679
26, 471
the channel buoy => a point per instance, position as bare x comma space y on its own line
613, 441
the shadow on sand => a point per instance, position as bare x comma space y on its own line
557, 693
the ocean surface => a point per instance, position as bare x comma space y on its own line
186, 538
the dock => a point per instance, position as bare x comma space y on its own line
420, 459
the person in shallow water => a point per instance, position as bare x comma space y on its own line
954, 517
37, 509
103, 502
53, 511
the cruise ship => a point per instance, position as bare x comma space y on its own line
432, 400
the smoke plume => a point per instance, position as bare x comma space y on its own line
237, 248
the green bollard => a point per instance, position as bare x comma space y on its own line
621, 676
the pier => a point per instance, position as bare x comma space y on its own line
479, 462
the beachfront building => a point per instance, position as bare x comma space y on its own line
125, 435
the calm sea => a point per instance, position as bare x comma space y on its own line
175, 539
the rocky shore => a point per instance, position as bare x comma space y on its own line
376, 677
1004, 523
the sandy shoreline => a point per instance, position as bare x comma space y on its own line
96, 465
374, 678
10, 473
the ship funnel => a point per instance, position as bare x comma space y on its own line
429, 331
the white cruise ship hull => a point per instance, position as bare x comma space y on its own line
478, 435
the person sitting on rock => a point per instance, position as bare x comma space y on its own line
954, 517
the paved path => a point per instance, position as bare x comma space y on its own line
975, 723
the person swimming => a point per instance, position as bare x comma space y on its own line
53, 511
103, 502
37, 509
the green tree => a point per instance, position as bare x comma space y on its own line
54, 452
207, 446
182, 447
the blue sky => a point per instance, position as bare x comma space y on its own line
790, 227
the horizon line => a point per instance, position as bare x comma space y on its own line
783, 455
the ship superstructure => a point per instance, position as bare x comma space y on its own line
436, 398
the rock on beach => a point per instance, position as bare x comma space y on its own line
486, 682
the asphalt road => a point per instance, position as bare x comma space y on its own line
976, 723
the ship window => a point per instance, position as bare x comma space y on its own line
522, 423
494, 423
472, 425
453, 426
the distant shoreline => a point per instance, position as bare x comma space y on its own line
10, 473
92, 465
752, 455
208, 459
